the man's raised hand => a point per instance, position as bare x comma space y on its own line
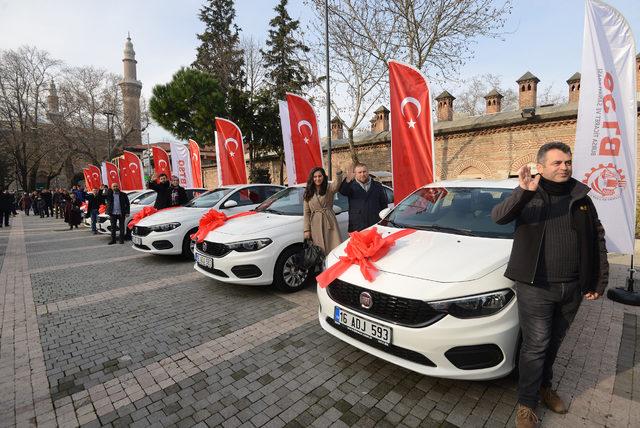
526, 181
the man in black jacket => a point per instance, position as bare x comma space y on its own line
161, 187
178, 194
118, 209
94, 200
366, 198
558, 255
6, 202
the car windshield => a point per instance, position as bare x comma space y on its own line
459, 210
132, 195
145, 199
209, 199
286, 202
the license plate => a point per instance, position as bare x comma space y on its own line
136, 240
204, 261
362, 326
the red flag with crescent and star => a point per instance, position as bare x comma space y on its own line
230, 153
112, 174
87, 179
161, 164
196, 165
305, 139
134, 166
95, 176
125, 177
412, 140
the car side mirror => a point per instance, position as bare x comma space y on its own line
230, 204
337, 210
385, 212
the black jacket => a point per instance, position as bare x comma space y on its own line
124, 203
529, 210
182, 196
163, 200
6, 201
94, 201
364, 207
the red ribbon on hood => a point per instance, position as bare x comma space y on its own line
212, 220
85, 206
363, 249
102, 209
145, 212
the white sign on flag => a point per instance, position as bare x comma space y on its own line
181, 164
288, 143
605, 149
103, 173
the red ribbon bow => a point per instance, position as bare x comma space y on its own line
212, 220
363, 249
145, 212
102, 209
84, 206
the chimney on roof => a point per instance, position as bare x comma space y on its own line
445, 106
574, 87
494, 101
337, 129
528, 90
380, 121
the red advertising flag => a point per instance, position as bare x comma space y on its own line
135, 170
161, 164
411, 130
95, 176
196, 165
230, 153
305, 140
112, 174
125, 177
87, 179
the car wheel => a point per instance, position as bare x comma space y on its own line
288, 275
188, 245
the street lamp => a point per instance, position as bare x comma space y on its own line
109, 115
326, 41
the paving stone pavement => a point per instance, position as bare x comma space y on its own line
97, 335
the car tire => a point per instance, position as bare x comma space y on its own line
287, 275
187, 250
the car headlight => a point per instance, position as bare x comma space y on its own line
480, 305
164, 227
252, 245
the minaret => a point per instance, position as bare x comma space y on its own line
131, 87
53, 104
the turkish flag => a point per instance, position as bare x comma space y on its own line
94, 176
305, 150
411, 130
135, 170
230, 153
161, 164
125, 180
112, 174
87, 179
196, 165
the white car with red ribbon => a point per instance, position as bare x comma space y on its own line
429, 293
169, 231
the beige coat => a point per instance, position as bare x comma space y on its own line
320, 220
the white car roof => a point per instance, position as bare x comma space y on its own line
510, 183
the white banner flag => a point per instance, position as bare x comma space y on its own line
181, 164
288, 144
103, 173
605, 149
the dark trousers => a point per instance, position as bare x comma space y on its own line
5, 215
117, 219
94, 220
545, 312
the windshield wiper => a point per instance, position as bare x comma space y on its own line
394, 224
270, 210
439, 228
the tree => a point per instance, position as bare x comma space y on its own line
471, 102
220, 53
187, 105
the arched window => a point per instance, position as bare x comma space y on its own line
529, 87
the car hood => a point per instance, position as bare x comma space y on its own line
255, 223
179, 214
440, 257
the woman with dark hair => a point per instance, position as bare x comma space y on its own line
320, 223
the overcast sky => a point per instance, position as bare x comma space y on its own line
543, 36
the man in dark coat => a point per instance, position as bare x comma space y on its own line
558, 256
366, 198
94, 200
178, 195
48, 202
162, 188
118, 209
6, 203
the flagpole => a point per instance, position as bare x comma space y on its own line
326, 41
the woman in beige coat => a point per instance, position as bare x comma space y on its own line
320, 223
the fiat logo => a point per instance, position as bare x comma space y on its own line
366, 301
204, 246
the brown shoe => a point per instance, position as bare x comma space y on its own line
552, 400
526, 417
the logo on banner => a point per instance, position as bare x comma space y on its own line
415, 102
232, 153
606, 181
307, 124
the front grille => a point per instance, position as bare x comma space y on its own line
246, 271
162, 245
214, 271
213, 248
397, 310
475, 357
141, 230
405, 354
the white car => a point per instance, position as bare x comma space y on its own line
169, 231
439, 304
264, 248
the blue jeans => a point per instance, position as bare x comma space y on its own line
545, 312
94, 220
